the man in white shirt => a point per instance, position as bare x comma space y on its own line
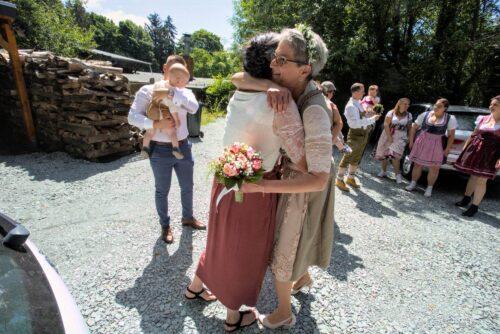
161, 159
357, 137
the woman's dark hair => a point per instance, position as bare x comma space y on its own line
257, 55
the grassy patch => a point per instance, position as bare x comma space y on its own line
208, 116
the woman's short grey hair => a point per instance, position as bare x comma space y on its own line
327, 87
299, 45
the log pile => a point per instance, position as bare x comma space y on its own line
78, 106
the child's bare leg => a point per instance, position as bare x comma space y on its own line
172, 132
146, 141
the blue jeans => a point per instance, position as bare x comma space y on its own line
162, 162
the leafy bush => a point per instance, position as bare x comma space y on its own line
218, 94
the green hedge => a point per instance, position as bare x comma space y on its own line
218, 94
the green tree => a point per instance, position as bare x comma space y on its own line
163, 36
134, 41
221, 63
106, 34
203, 39
49, 25
77, 8
421, 49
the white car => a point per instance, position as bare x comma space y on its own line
466, 118
33, 297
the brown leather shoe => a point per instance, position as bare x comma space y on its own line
167, 235
194, 223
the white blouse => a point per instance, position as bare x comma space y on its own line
452, 124
397, 121
251, 121
485, 125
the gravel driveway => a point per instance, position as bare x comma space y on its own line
402, 263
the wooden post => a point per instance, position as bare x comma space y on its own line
10, 45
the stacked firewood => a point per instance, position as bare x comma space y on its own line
11, 121
78, 106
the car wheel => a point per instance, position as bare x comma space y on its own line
406, 167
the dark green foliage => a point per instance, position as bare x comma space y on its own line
163, 36
49, 25
420, 49
218, 94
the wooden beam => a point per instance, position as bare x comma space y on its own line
8, 19
3, 43
20, 84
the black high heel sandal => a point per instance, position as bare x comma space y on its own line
238, 325
197, 295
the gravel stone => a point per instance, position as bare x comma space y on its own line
402, 263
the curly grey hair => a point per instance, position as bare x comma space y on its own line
300, 46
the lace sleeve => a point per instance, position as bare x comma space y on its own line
318, 139
288, 126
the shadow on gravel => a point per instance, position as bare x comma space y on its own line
365, 203
449, 188
342, 263
61, 167
267, 303
158, 294
307, 321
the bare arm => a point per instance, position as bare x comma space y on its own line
307, 182
387, 127
244, 81
451, 139
337, 122
278, 97
318, 146
413, 131
469, 138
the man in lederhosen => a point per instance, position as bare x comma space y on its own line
357, 137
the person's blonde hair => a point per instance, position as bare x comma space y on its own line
445, 102
178, 68
397, 108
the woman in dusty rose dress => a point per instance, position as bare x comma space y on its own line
393, 140
304, 231
241, 235
430, 149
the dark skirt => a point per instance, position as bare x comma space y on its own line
480, 156
239, 245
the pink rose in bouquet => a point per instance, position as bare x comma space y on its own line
238, 164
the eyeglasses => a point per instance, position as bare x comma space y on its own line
282, 60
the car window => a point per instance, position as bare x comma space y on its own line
27, 304
416, 110
466, 121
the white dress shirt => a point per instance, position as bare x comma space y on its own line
183, 98
352, 112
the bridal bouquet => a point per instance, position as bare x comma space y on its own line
239, 163
378, 108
